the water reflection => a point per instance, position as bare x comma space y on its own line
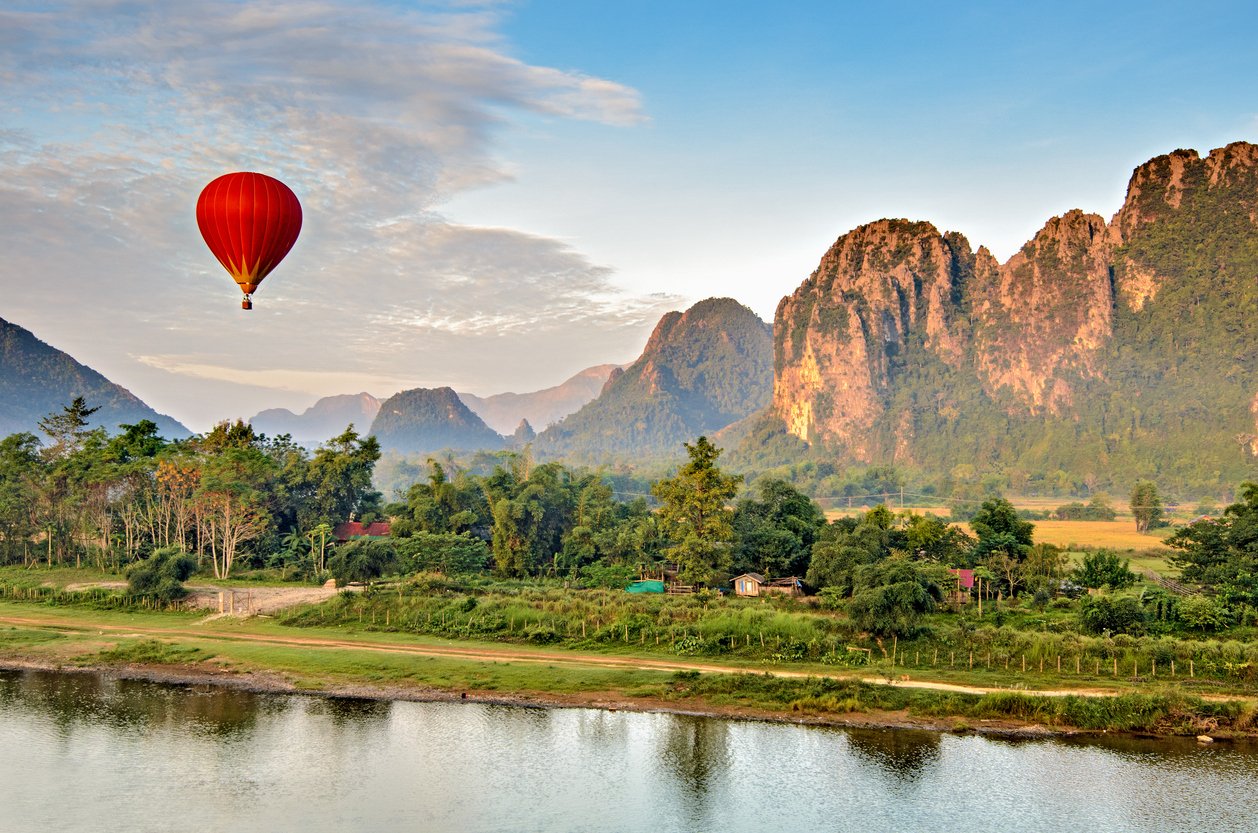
694, 755
344, 711
901, 753
70, 699
143, 756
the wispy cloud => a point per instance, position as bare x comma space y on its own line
120, 111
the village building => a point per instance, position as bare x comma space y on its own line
351, 530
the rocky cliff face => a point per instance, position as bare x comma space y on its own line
840, 337
1112, 333
1042, 318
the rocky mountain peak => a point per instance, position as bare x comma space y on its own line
839, 336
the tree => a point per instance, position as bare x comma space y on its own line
339, 478
1202, 613
362, 560
890, 597
232, 495
446, 553
530, 517
1222, 553
67, 428
774, 533
934, 539
1099, 614
693, 514
20, 470
1105, 569
1146, 505
999, 529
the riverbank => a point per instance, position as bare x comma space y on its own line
259, 655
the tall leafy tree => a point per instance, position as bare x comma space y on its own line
1222, 553
774, 532
694, 514
999, 529
233, 496
1146, 505
67, 428
21, 468
891, 596
340, 479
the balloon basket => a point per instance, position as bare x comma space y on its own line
246, 304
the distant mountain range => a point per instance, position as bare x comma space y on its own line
503, 411
1100, 353
321, 421
37, 379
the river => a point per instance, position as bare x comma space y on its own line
80, 752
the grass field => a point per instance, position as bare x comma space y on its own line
1118, 535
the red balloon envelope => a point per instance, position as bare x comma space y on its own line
249, 221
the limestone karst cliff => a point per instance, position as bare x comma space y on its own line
1127, 345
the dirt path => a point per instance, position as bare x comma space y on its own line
235, 601
481, 653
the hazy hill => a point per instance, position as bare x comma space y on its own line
321, 421
503, 411
1098, 353
431, 419
700, 371
37, 379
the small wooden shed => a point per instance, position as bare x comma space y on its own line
748, 584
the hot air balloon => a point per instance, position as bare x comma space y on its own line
249, 221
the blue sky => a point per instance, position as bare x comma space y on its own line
775, 127
498, 195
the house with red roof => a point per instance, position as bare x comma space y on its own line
350, 530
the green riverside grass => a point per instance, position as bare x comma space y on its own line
324, 668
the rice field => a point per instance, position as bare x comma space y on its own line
1119, 535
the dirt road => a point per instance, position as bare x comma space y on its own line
490, 653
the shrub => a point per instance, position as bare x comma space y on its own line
162, 574
1098, 614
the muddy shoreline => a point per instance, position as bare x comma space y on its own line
265, 683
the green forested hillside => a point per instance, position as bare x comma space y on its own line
37, 379
424, 420
701, 370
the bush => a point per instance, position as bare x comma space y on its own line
1098, 614
361, 560
161, 575
1202, 613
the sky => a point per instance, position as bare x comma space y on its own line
499, 194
